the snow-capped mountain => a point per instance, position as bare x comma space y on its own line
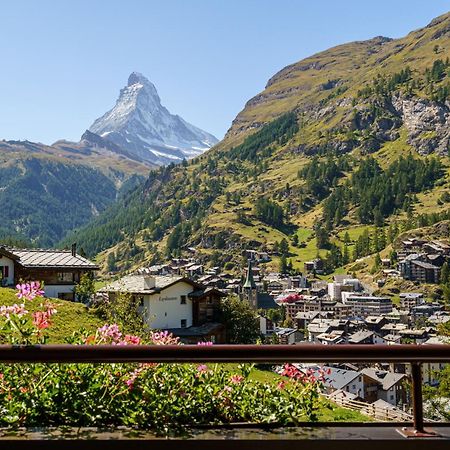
139, 124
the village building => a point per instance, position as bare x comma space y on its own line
59, 270
410, 299
186, 308
417, 267
391, 386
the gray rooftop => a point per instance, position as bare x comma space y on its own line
51, 258
135, 284
360, 336
425, 265
386, 379
339, 378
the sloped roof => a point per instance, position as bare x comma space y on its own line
134, 284
339, 378
51, 259
386, 379
360, 336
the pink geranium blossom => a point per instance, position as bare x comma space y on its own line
18, 310
41, 319
236, 379
202, 368
131, 340
29, 291
164, 338
109, 334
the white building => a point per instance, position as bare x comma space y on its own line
367, 305
170, 302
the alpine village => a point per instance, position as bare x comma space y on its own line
321, 219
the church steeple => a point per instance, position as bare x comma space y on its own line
249, 282
249, 289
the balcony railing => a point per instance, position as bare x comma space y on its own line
415, 355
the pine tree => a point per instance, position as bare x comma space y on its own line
283, 264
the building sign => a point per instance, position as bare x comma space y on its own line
167, 299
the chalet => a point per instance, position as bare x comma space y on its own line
288, 335
174, 303
350, 381
59, 270
332, 338
391, 385
375, 323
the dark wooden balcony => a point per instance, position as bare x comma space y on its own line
415, 435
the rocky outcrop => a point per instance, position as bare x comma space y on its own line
427, 122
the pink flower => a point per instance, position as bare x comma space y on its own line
18, 310
281, 385
109, 334
202, 368
132, 340
41, 320
236, 379
29, 291
164, 338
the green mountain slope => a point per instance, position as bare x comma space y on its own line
46, 191
300, 151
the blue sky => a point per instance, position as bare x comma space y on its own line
63, 62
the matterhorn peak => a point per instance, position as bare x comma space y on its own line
137, 78
139, 124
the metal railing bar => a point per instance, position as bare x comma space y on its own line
224, 353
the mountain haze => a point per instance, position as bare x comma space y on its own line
139, 124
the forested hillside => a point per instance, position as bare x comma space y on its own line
46, 191
338, 155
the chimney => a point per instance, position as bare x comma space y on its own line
74, 249
148, 281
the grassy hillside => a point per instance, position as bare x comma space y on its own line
70, 317
380, 99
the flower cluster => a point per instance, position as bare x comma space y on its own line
41, 319
111, 334
309, 376
29, 291
18, 310
164, 338
236, 379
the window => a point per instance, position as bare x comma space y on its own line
183, 323
65, 277
183, 300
